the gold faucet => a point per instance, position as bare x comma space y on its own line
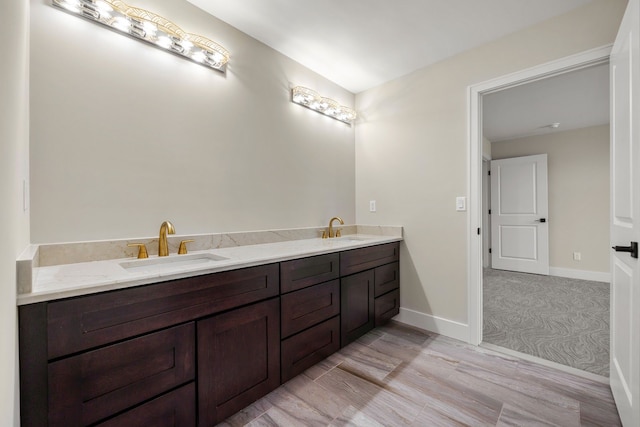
331, 234
165, 228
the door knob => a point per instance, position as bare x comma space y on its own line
632, 249
541, 220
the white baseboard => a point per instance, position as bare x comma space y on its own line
596, 276
439, 325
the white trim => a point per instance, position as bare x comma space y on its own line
548, 363
474, 153
429, 322
596, 276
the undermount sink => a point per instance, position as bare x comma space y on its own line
170, 262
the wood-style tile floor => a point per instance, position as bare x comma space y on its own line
397, 376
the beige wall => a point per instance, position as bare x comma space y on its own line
14, 147
578, 172
124, 136
412, 150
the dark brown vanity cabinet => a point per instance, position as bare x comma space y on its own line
310, 309
128, 357
370, 279
195, 351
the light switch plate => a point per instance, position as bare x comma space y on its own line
461, 204
372, 205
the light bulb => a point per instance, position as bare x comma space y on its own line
103, 7
164, 41
187, 45
217, 58
71, 5
150, 29
122, 24
198, 56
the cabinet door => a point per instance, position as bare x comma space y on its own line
238, 359
356, 306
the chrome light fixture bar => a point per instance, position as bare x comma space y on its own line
149, 27
327, 106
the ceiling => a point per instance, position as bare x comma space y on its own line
359, 44
575, 100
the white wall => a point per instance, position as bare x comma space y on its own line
14, 146
124, 136
578, 172
412, 152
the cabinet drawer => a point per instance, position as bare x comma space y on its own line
309, 347
387, 278
362, 259
82, 323
175, 409
92, 386
387, 306
309, 306
300, 273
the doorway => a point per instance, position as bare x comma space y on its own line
552, 314
477, 206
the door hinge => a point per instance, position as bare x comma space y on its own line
489, 250
489, 173
489, 211
478, 231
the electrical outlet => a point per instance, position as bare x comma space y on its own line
577, 256
372, 205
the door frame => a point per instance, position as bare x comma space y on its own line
486, 220
474, 135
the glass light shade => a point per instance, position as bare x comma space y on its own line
150, 27
327, 106
211, 50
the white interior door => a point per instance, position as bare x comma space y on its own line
625, 219
519, 214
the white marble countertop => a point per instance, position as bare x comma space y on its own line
69, 280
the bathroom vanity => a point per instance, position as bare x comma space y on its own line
195, 350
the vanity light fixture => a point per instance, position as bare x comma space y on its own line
327, 106
149, 27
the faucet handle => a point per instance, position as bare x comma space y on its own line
324, 234
142, 250
182, 249
338, 232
